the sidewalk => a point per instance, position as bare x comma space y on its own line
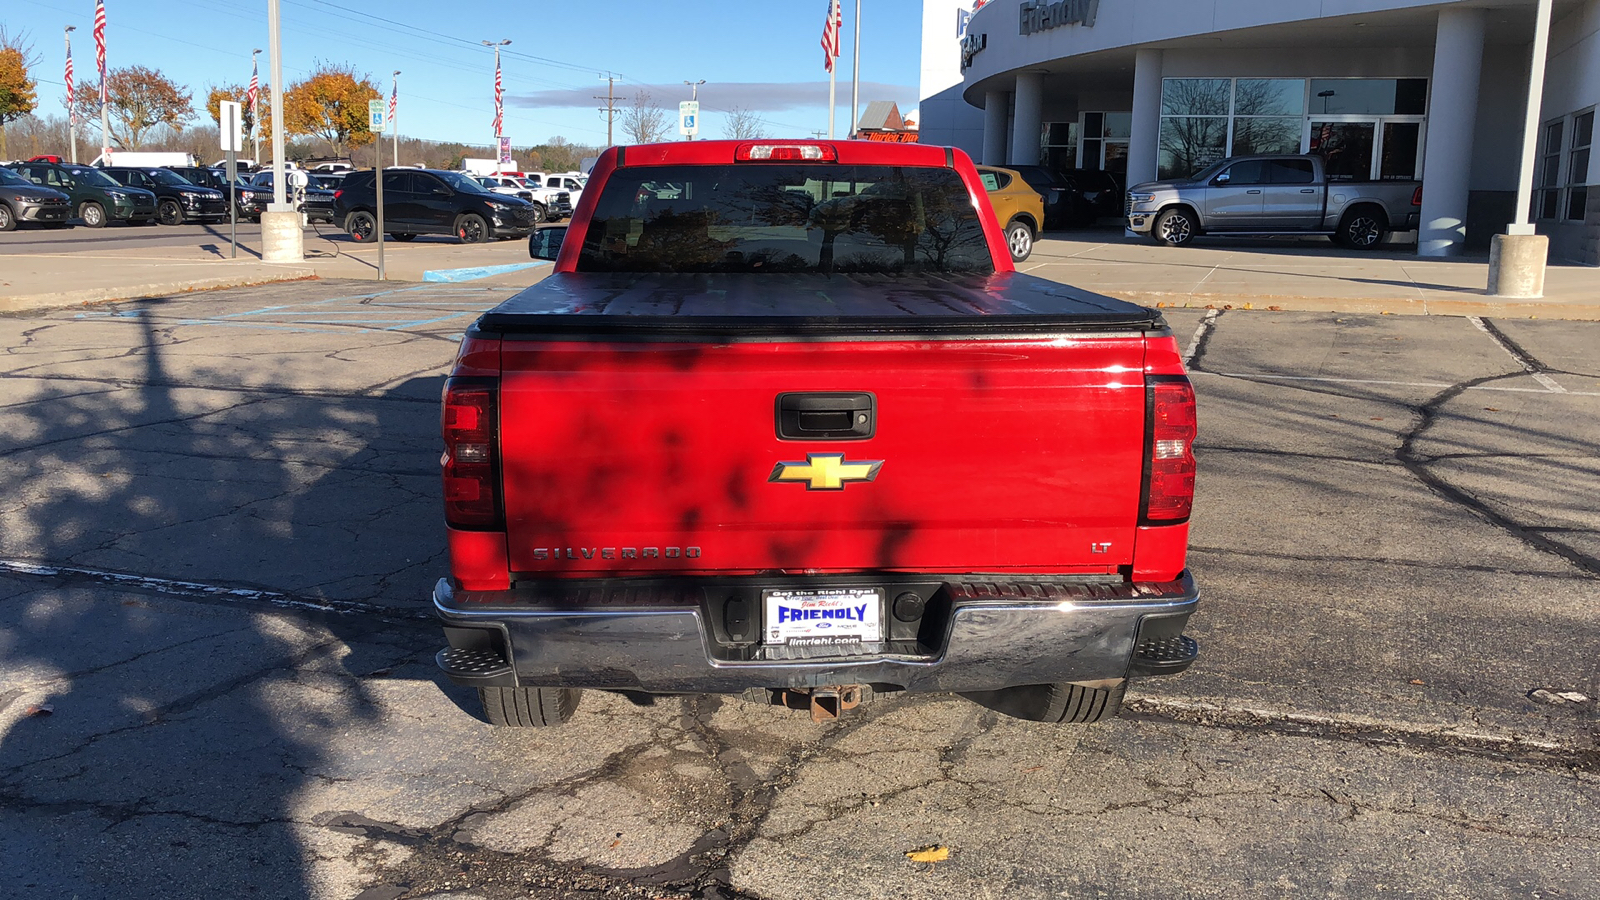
1301, 275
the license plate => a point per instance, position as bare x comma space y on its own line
824, 616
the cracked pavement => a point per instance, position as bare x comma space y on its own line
219, 527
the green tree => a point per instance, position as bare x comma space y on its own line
18, 96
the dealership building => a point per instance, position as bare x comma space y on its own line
1383, 89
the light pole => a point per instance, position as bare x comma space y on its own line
394, 102
1325, 95
282, 232
72, 112
499, 107
694, 95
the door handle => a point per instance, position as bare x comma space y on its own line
1308, 190
834, 416
1253, 192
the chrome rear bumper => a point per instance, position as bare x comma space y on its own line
977, 633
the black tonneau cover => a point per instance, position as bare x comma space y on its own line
743, 305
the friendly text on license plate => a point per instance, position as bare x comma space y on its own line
819, 617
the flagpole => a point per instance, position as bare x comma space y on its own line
72, 111
394, 99
100, 54
255, 113
855, 75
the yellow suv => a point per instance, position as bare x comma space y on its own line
1017, 205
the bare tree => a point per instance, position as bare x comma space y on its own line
644, 122
744, 125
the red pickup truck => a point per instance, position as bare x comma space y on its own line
784, 422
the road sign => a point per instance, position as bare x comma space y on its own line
232, 120
505, 149
689, 117
377, 116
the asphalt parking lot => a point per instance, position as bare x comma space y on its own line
219, 526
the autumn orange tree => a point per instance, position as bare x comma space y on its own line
17, 95
236, 93
137, 100
331, 104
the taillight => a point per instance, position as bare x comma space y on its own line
784, 152
338, 193
1416, 196
1169, 464
471, 426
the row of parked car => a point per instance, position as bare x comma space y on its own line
52, 193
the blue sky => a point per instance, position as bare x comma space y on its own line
758, 55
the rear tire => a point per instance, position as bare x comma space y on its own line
472, 229
8, 219
528, 707
401, 236
1362, 228
361, 226
1019, 240
1066, 704
92, 214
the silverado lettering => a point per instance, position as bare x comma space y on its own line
728, 320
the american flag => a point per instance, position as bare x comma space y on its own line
254, 90
499, 95
830, 35
394, 99
72, 112
100, 45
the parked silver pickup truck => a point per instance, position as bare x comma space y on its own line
1273, 195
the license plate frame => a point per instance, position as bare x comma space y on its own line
822, 617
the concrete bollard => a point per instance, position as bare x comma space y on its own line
281, 237
1516, 265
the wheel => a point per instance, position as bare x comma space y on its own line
401, 236
1174, 227
528, 707
1067, 704
92, 214
8, 219
169, 213
1019, 237
361, 226
1362, 228
539, 213
472, 229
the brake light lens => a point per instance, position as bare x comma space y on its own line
338, 193
1416, 196
785, 153
1169, 472
470, 423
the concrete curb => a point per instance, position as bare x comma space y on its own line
59, 299
1467, 305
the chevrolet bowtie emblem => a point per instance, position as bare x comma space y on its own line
825, 471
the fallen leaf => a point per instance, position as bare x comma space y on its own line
615, 844
1572, 696
1249, 306
1491, 409
1033, 768
1418, 681
1275, 308
930, 854
1377, 418
41, 709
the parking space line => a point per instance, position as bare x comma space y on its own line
1200, 332
1527, 365
1266, 376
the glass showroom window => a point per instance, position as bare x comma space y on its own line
1578, 166
1268, 115
1549, 201
1194, 124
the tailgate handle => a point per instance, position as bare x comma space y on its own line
827, 416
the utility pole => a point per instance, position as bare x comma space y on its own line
694, 94
610, 108
72, 111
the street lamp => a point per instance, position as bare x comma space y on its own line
694, 95
1325, 95
499, 107
394, 128
72, 112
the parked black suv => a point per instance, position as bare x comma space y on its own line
250, 200
430, 201
23, 201
318, 203
178, 200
